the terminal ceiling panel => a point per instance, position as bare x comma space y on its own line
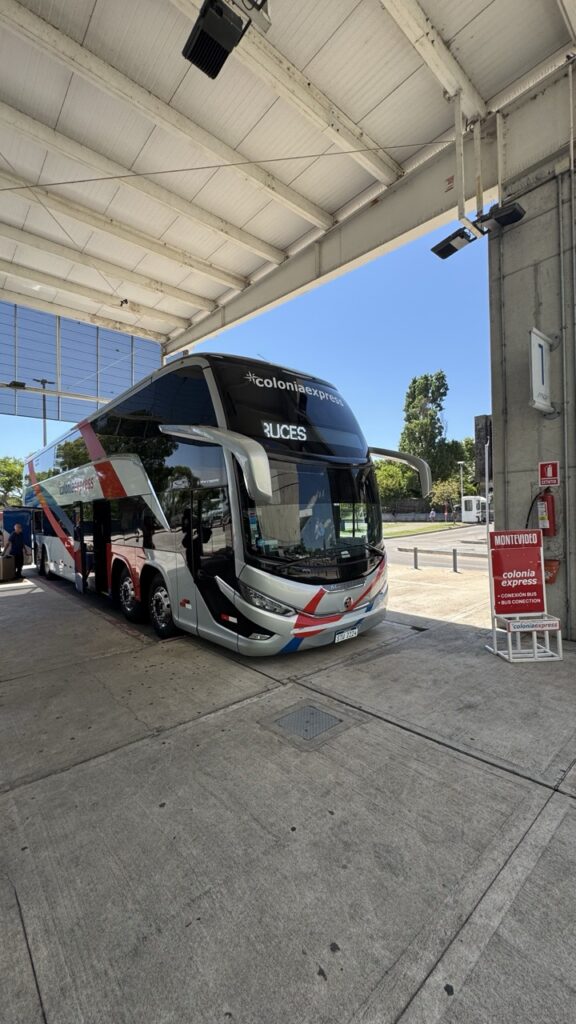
139, 193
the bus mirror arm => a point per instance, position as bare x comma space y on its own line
250, 454
421, 467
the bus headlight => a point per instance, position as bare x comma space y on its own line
259, 600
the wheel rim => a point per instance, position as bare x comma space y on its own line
160, 607
127, 594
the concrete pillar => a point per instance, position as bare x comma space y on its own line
532, 279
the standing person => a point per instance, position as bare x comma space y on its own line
432, 515
15, 547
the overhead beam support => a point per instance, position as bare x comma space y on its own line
122, 274
420, 31
459, 177
107, 78
416, 205
30, 390
93, 294
68, 208
31, 301
267, 63
56, 142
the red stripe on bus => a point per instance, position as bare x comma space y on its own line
54, 523
109, 480
304, 620
92, 441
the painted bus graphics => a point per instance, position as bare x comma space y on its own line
222, 496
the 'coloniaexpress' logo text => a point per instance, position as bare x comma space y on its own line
77, 486
293, 385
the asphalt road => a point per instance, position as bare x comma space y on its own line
444, 540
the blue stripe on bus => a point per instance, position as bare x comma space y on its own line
292, 645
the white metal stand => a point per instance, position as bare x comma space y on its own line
527, 637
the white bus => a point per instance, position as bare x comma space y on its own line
474, 509
226, 497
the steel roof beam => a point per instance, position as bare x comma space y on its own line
57, 393
82, 62
93, 294
69, 208
266, 62
416, 205
403, 213
41, 244
420, 31
31, 301
56, 142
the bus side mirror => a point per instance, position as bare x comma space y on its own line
250, 454
420, 465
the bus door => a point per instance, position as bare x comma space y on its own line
212, 555
101, 538
77, 518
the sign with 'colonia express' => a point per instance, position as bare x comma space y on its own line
517, 572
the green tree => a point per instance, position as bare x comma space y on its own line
446, 492
424, 429
469, 458
394, 482
10, 478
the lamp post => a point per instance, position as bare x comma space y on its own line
461, 465
44, 381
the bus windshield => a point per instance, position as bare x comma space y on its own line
324, 522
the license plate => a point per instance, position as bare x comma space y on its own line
346, 634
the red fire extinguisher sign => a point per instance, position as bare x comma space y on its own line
549, 474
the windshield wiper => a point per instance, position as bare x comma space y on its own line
318, 558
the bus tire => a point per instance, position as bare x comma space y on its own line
160, 609
130, 606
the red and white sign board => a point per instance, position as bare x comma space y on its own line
549, 474
517, 572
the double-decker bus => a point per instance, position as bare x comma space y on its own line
222, 496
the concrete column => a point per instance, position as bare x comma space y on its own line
532, 278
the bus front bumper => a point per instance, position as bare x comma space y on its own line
289, 636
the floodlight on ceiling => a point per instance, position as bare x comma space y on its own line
448, 246
501, 216
218, 29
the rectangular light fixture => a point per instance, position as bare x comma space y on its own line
502, 216
216, 32
448, 246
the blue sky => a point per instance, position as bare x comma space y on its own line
368, 332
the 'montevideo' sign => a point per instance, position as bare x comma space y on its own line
517, 572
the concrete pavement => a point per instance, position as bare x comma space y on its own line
172, 854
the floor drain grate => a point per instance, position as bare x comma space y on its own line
307, 722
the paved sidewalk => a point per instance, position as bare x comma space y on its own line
171, 853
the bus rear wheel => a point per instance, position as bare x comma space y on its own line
161, 609
131, 607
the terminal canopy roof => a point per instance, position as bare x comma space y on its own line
139, 194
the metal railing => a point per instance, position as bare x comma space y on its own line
443, 551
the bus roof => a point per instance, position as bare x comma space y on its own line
197, 358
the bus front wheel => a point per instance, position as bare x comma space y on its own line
131, 607
161, 609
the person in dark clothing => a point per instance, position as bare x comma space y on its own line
15, 547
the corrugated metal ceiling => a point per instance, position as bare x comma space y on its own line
340, 65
